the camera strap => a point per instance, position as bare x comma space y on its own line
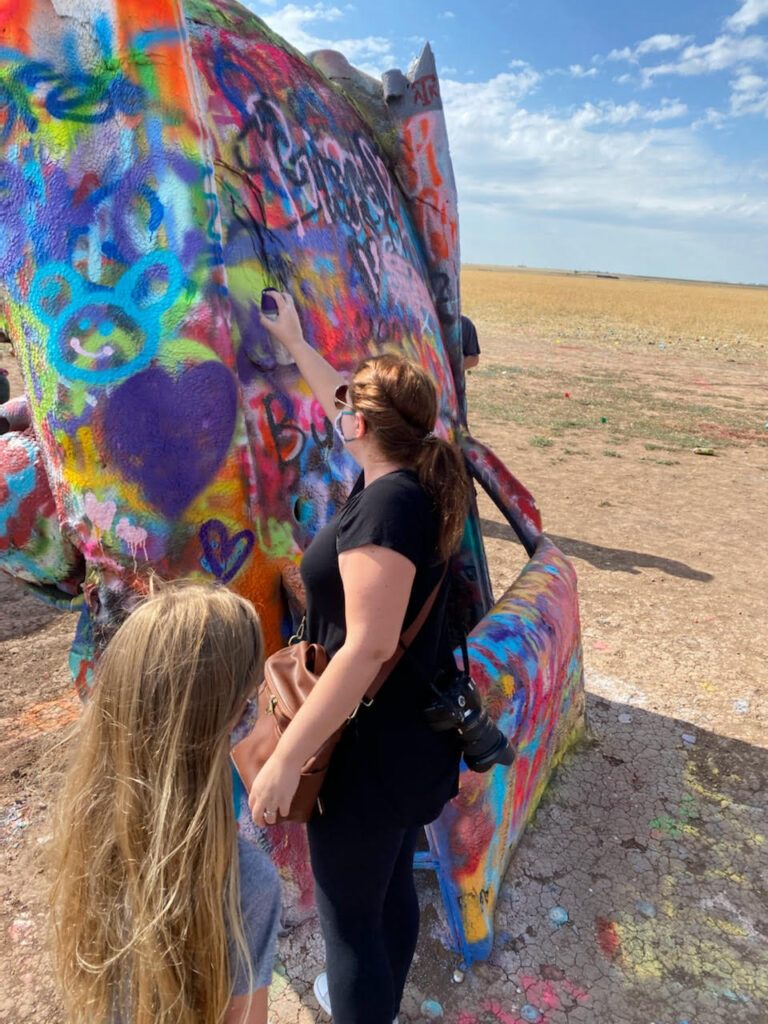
465, 653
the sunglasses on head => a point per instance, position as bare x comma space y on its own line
341, 397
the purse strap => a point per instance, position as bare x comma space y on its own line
405, 641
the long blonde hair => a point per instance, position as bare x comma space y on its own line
398, 401
145, 850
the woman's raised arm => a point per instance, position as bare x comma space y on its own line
322, 378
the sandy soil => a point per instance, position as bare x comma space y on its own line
670, 557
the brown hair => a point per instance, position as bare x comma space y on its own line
398, 402
145, 847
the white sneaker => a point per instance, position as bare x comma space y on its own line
320, 989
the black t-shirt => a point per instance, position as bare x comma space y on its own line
389, 763
470, 346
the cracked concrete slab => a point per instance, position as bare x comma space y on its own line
637, 896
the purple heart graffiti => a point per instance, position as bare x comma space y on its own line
223, 555
169, 434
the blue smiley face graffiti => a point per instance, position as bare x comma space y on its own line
97, 334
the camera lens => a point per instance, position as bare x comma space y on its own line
459, 706
483, 743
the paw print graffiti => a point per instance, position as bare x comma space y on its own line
100, 334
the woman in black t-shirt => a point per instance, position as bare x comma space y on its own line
368, 574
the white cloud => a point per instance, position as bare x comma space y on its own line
749, 14
749, 94
734, 49
447, 14
648, 174
577, 71
296, 16
654, 44
608, 112
660, 43
301, 25
725, 52
625, 53
712, 118
500, 94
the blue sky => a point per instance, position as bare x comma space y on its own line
586, 135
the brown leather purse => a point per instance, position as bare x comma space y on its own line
290, 674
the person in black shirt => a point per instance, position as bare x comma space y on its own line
368, 574
470, 346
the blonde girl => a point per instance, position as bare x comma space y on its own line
160, 913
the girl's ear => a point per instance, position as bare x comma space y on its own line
361, 427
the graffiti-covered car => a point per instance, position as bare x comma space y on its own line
160, 164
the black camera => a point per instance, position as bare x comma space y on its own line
458, 705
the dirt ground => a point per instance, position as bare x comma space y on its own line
669, 547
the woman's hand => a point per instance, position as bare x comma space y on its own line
272, 790
286, 326
322, 378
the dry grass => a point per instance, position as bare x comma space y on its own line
620, 390
685, 315
561, 405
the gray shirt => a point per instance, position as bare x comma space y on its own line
260, 908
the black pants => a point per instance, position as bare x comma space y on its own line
369, 913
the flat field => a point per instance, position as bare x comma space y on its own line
636, 412
602, 396
691, 316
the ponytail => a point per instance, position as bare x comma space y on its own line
442, 474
